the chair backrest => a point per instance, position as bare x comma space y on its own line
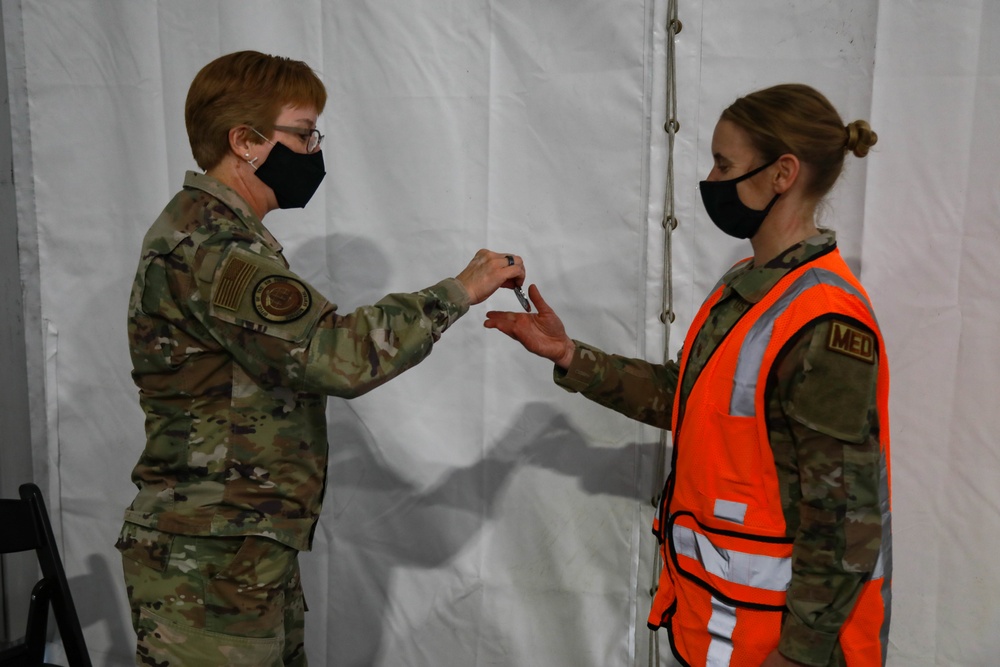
24, 526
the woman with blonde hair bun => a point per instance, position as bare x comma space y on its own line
774, 522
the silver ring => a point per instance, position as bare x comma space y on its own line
510, 260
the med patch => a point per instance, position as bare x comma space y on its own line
851, 341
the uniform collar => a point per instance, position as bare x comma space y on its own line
235, 203
752, 283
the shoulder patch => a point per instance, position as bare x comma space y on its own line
281, 299
233, 282
852, 341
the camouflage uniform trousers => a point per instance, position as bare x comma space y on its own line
213, 600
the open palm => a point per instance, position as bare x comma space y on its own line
541, 332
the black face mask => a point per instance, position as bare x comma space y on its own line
722, 201
294, 177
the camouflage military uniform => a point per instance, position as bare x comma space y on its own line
234, 356
823, 431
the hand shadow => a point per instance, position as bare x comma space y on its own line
560, 447
377, 522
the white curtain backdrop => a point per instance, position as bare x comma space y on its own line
475, 513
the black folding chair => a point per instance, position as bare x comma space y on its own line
24, 526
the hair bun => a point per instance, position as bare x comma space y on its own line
860, 138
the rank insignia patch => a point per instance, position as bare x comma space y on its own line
851, 341
281, 299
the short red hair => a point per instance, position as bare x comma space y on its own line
244, 88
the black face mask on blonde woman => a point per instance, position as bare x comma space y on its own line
726, 209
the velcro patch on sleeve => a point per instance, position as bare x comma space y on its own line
852, 341
233, 282
281, 299
258, 292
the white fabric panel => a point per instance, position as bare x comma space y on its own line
931, 251
476, 514
464, 524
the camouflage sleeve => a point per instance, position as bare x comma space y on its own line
352, 354
825, 411
636, 388
283, 332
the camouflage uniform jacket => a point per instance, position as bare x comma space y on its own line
234, 355
823, 429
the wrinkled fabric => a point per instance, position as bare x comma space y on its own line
234, 354
219, 601
823, 430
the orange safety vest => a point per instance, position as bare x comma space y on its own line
727, 558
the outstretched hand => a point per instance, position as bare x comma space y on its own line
489, 271
542, 332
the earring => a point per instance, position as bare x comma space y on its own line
246, 155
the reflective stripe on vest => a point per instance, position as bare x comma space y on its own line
757, 339
721, 626
748, 569
727, 556
739, 569
764, 572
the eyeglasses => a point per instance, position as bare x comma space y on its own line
312, 137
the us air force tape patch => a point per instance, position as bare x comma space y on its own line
281, 299
852, 341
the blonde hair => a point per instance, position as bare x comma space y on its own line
244, 88
795, 118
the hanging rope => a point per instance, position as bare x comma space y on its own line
671, 127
